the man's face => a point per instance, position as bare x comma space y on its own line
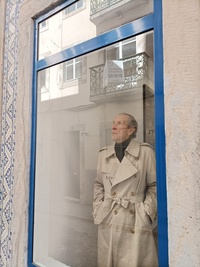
120, 128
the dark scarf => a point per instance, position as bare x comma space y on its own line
120, 148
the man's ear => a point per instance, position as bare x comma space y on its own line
131, 130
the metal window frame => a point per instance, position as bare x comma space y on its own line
149, 22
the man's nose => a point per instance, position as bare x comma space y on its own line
114, 126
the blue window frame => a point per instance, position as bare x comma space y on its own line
149, 22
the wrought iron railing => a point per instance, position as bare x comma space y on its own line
99, 5
135, 73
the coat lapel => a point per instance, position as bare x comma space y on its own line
125, 170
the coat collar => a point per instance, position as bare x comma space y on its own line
133, 149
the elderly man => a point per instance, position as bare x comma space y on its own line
125, 206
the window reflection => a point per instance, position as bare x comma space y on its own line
77, 101
73, 7
44, 25
72, 70
122, 49
55, 33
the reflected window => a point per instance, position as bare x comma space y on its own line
72, 69
122, 49
44, 25
73, 7
43, 81
95, 17
62, 80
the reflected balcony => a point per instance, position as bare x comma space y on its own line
99, 5
133, 73
105, 10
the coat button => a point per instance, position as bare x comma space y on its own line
132, 231
131, 212
114, 193
115, 212
132, 194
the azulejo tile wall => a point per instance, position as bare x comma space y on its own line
10, 65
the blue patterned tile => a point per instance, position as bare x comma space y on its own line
8, 130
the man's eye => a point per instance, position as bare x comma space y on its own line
117, 123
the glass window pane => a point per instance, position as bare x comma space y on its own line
70, 62
75, 122
79, 3
113, 53
129, 48
71, 8
78, 70
98, 16
69, 72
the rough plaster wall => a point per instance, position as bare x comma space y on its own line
182, 114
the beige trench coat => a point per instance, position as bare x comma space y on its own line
125, 207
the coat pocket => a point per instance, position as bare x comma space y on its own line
102, 211
142, 218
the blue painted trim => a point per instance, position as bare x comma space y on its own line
152, 21
160, 137
138, 26
33, 153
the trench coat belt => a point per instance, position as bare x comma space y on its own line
124, 201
